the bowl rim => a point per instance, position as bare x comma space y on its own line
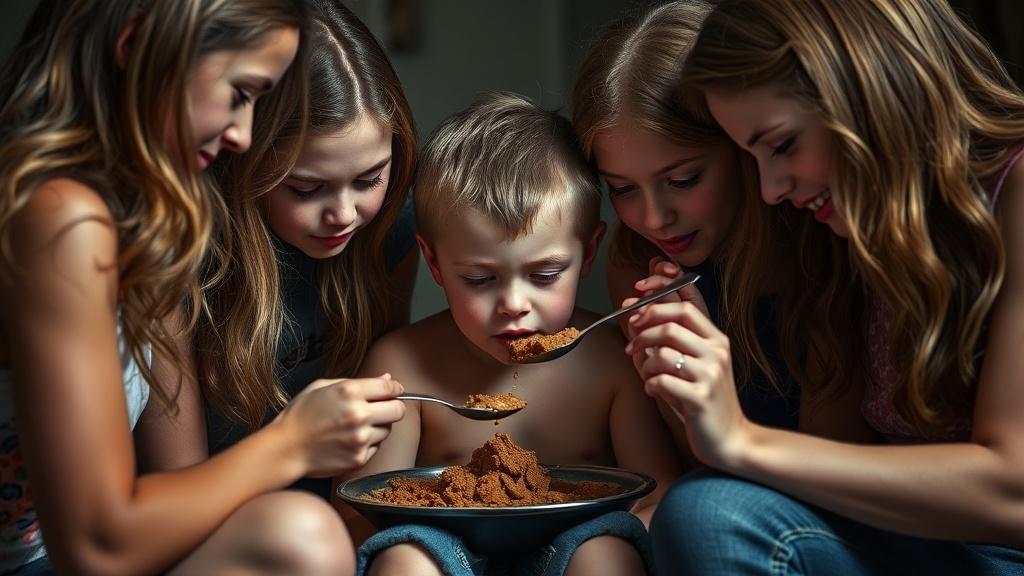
645, 485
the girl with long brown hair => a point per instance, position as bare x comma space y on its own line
109, 112
899, 130
683, 192
320, 255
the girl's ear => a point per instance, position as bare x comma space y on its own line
590, 249
123, 48
428, 255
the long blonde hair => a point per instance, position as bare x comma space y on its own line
237, 340
66, 109
924, 117
634, 70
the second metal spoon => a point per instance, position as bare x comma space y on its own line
471, 413
684, 280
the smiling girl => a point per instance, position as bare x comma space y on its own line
683, 194
896, 127
109, 110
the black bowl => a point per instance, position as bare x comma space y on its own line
504, 529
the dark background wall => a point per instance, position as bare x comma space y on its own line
449, 51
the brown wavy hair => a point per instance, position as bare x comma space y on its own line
924, 118
635, 70
67, 110
243, 321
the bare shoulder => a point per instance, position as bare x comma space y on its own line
603, 348
411, 350
65, 213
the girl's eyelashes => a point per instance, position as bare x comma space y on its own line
681, 183
304, 192
241, 98
615, 191
371, 183
685, 183
784, 147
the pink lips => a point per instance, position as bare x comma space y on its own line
333, 241
822, 214
508, 336
677, 244
205, 159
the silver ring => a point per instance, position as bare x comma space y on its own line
680, 363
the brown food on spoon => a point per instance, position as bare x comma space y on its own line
522, 349
500, 473
504, 401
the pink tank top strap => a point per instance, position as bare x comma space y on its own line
1006, 172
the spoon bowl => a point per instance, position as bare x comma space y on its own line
465, 411
684, 280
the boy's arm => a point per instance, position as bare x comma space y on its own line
399, 450
640, 438
174, 436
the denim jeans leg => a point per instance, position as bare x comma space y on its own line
710, 523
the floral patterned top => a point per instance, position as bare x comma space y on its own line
21, 541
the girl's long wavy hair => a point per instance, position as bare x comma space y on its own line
238, 336
634, 71
67, 109
924, 117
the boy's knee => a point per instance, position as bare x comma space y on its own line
404, 559
605, 555
298, 532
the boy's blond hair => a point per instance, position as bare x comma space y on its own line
506, 158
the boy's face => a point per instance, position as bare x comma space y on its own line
500, 289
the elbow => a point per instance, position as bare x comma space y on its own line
101, 554
90, 559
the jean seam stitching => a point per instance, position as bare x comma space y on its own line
782, 553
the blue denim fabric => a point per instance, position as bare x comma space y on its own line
711, 524
455, 559
40, 567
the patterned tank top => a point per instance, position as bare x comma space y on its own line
21, 541
877, 405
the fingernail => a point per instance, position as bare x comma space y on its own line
634, 319
629, 348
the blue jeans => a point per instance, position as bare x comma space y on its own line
710, 523
456, 559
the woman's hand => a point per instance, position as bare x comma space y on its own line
337, 425
661, 273
690, 368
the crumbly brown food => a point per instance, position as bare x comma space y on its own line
522, 349
500, 473
504, 401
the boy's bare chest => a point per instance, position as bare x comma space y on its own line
564, 424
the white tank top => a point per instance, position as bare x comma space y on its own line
21, 541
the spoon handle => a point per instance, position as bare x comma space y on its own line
415, 396
684, 280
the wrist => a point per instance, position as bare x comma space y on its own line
284, 450
741, 453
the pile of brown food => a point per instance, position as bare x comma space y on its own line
522, 349
504, 401
500, 473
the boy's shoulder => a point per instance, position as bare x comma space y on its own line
604, 346
416, 345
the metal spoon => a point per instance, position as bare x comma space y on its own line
684, 280
471, 413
